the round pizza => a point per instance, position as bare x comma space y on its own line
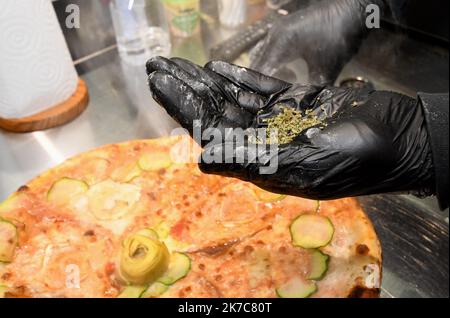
140, 220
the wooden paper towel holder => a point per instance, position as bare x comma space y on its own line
55, 116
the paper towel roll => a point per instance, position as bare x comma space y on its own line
36, 69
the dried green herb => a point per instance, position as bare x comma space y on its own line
288, 124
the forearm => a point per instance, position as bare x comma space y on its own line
436, 109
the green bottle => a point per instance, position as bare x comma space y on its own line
183, 16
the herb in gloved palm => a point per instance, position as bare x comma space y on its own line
382, 145
284, 127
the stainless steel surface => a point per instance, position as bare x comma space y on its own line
414, 233
415, 246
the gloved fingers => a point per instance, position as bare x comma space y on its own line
180, 68
160, 63
168, 66
212, 80
229, 159
195, 80
217, 92
251, 80
178, 98
220, 95
296, 168
191, 68
195, 71
301, 97
236, 157
251, 102
248, 101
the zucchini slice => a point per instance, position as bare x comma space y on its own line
297, 288
63, 190
155, 290
132, 292
8, 241
155, 161
266, 196
312, 231
10, 203
319, 265
179, 267
126, 173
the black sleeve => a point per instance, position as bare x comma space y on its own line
436, 108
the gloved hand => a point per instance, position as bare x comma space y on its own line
373, 141
326, 34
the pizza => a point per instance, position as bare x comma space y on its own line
140, 220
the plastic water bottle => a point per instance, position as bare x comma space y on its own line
232, 13
141, 29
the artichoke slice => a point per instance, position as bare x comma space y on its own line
143, 260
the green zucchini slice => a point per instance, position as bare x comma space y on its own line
10, 203
65, 189
126, 173
319, 265
8, 241
155, 290
312, 231
132, 292
297, 288
179, 267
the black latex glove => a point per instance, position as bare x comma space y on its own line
374, 141
326, 34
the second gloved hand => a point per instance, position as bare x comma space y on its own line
326, 34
